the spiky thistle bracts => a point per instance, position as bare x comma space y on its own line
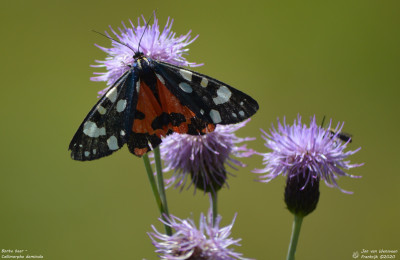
310, 151
204, 158
208, 241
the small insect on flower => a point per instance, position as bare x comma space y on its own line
209, 242
312, 153
150, 96
343, 136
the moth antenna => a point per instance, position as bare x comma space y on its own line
114, 40
145, 28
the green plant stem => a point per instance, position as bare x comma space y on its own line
161, 188
295, 236
214, 201
155, 190
152, 181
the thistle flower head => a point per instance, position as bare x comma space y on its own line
203, 157
208, 242
162, 46
310, 152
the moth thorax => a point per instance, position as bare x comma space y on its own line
143, 63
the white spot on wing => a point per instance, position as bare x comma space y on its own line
204, 82
223, 95
138, 86
87, 153
185, 87
90, 129
241, 103
234, 114
215, 116
241, 113
112, 94
186, 74
202, 111
101, 110
121, 104
94, 151
160, 78
122, 132
112, 143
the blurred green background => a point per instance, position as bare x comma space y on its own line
335, 58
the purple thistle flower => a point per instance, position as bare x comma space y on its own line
312, 153
161, 46
203, 156
209, 242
